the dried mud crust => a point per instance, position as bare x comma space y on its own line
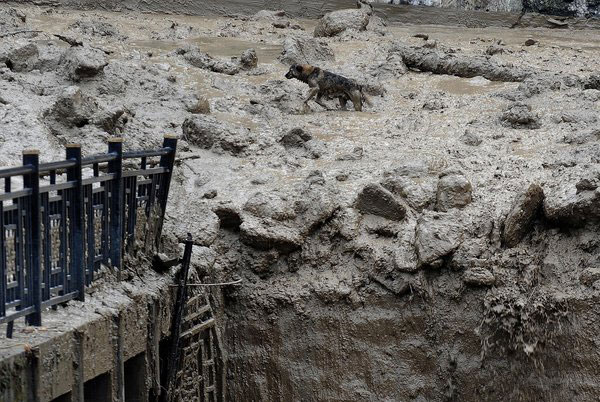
389, 254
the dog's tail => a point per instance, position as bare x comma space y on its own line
364, 96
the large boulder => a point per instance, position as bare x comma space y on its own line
453, 191
437, 236
72, 109
336, 22
11, 19
20, 57
208, 132
522, 214
82, 62
305, 51
376, 200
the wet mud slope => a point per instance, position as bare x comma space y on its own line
442, 244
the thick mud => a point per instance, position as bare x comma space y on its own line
442, 244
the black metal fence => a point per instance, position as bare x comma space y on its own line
64, 219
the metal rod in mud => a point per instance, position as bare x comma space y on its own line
180, 302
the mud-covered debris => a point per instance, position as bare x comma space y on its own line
564, 205
203, 224
305, 51
355, 155
592, 82
421, 36
582, 138
520, 115
281, 24
556, 23
589, 276
453, 191
430, 44
470, 138
269, 15
161, 262
478, 276
21, 58
210, 133
249, 59
494, 49
229, 216
197, 58
95, 28
336, 22
437, 236
392, 67
376, 200
434, 104
198, 105
82, 62
296, 137
418, 188
461, 66
520, 219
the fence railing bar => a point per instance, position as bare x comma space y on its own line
146, 154
17, 314
59, 299
96, 159
2, 263
98, 179
54, 166
47, 246
57, 187
77, 221
16, 171
116, 199
17, 194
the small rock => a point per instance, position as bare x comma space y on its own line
197, 58
210, 133
557, 23
436, 237
422, 36
565, 206
470, 138
434, 104
162, 262
356, 154
430, 44
522, 214
479, 277
453, 191
530, 42
249, 59
375, 200
296, 137
22, 58
589, 276
281, 24
83, 62
519, 115
209, 195
342, 176
199, 106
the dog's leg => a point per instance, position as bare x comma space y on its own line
311, 93
356, 100
319, 102
343, 101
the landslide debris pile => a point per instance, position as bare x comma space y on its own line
446, 234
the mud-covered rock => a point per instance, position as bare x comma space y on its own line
72, 108
305, 51
21, 58
453, 191
437, 236
479, 276
336, 22
470, 138
522, 215
11, 18
296, 137
418, 188
589, 276
198, 105
520, 115
83, 62
204, 228
197, 58
248, 59
494, 49
95, 28
376, 200
264, 234
210, 133
564, 205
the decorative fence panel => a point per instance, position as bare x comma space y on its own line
67, 218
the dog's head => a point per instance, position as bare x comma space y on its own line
295, 71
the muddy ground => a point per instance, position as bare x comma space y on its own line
441, 244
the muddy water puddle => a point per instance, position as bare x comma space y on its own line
468, 86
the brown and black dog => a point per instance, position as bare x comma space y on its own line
324, 83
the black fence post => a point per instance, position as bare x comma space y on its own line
77, 222
167, 162
117, 208
34, 274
